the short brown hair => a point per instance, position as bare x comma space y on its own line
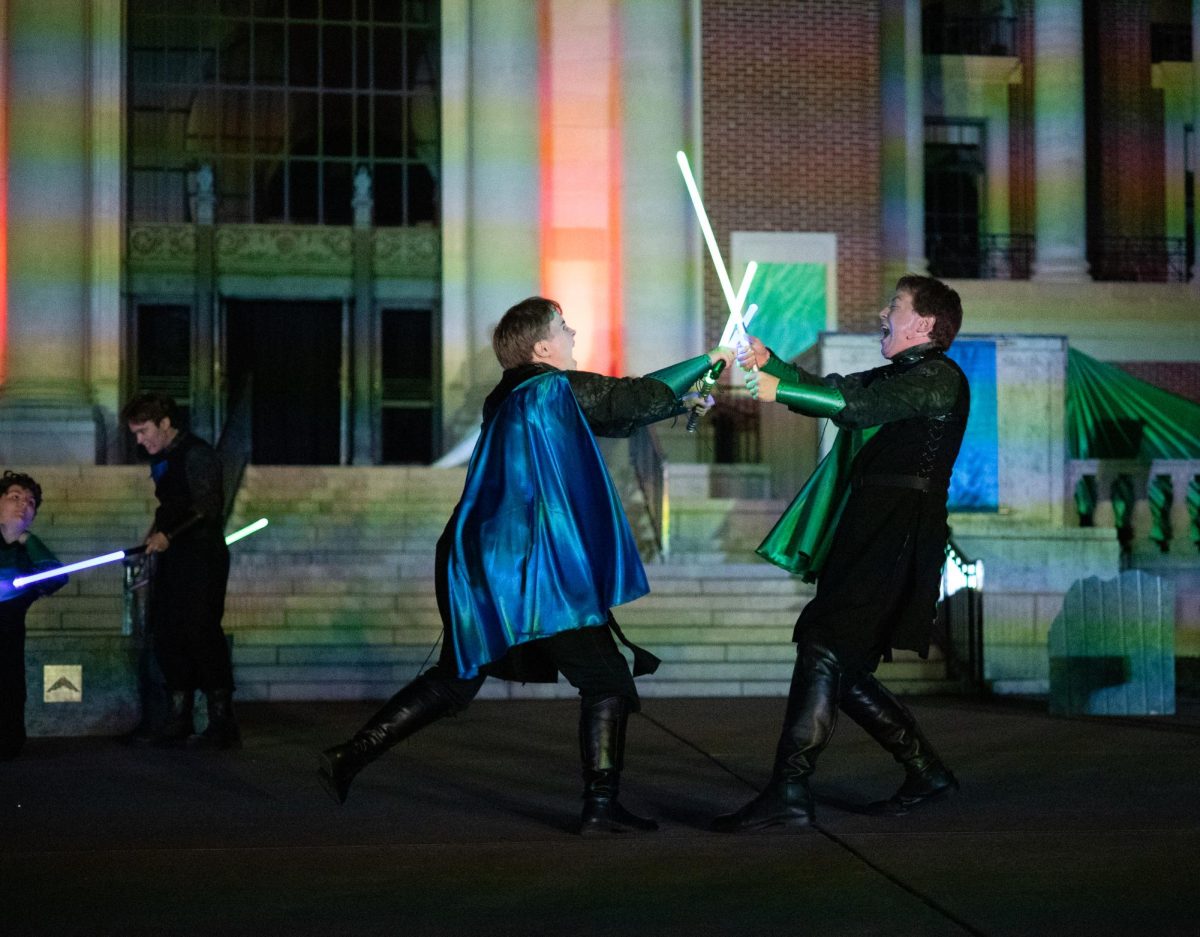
12, 479
150, 407
522, 327
934, 299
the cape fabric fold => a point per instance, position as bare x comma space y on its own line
800, 540
541, 542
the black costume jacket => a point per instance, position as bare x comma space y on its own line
191, 575
879, 587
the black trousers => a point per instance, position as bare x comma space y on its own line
186, 607
587, 657
12, 687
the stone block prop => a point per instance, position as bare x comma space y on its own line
1112, 648
80, 684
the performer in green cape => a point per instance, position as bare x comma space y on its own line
538, 552
870, 527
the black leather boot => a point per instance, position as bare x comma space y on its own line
179, 725
890, 723
602, 748
414, 707
808, 724
222, 730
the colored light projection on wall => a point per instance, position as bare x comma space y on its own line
975, 484
580, 107
791, 306
3, 213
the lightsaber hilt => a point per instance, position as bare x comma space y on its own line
707, 383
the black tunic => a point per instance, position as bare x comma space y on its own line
879, 587
188, 596
17, 559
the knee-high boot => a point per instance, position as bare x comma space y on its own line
808, 725
179, 725
602, 749
222, 730
414, 707
890, 723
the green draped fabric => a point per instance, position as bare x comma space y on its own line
1111, 414
800, 540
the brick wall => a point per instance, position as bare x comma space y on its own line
1125, 123
1178, 377
1021, 173
791, 134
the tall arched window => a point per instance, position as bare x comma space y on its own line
284, 99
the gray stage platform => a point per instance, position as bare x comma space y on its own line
1063, 827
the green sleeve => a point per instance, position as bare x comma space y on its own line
39, 553
811, 399
680, 377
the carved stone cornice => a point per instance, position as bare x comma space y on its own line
411, 253
284, 249
162, 247
274, 250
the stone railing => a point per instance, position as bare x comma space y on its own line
650, 465
1151, 505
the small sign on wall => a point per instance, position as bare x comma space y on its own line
62, 683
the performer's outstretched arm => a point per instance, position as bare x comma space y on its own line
616, 406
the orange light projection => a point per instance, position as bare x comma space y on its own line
580, 150
3, 196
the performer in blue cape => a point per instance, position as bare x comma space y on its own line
537, 553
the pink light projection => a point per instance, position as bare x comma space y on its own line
580, 150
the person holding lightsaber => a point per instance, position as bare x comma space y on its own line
187, 598
874, 540
21, 552
536, 555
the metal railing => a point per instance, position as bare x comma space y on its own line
958, 628
1139, 259
980, 256
1153, 506
652, 471
969, 35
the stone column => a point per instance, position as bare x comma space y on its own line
663, 313
903, 143
491, 189
1196, 138
1059, 141
364, 332
45, 408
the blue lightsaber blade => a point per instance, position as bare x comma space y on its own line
22, 581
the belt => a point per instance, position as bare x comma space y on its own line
893, 481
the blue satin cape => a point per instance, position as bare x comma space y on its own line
541, 543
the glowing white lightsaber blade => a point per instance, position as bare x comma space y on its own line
69, 568
22, 581
734, 301
735, 320
702, 216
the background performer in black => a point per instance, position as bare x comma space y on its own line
187, 600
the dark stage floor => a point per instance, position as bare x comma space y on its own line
1063, 827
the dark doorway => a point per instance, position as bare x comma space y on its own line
289, 355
